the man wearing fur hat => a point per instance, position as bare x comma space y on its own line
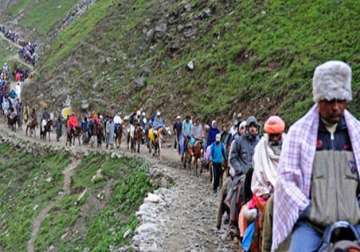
318, 181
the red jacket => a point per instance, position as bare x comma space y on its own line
72, 122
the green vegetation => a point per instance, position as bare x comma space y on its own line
27, 184
68, 40
106, 211
41, 15
253, 56
6, 51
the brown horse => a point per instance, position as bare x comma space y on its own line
197, 152
192, 156
31, 125
118, 135
155, 144
99, 132
46, 129
12, 120
73, 134
136, 140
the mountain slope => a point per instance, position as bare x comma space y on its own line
249, 56
39, 16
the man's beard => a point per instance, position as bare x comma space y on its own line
275, 146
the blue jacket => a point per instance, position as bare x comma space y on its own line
217, 153
212, 135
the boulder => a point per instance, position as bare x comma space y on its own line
153, 198
139, 82
191, 65
97, 177
161, 28
188, 7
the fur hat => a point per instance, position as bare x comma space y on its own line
332, 80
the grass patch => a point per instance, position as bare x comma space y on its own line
6, 51
41, 15
99, 227
24, 192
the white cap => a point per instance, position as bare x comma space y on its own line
332, 80
242, 124
143, 113
158, 113
178, 117
218, 137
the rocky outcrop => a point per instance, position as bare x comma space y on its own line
78, 10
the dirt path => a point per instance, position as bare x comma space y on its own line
68, 172
16, 56
37, 224
2, 36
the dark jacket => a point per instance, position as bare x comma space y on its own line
341, 141
212, 135
241, 153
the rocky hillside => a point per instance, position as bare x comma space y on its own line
202, 56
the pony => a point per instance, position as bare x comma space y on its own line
45, 129
155, 141
118, 135
73, 134
135, 142
12, 120
192, 155
31, 125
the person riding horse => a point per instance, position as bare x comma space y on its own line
12, 119
71, 125
33, 123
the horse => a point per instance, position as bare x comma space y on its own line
31, 125
45, 129
192, 155
72, 135
155, 142
12, 120
118, 135
99, 132
197, 153
187, 157
136, 140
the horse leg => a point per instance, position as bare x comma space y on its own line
196, 166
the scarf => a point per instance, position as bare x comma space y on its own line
266, 161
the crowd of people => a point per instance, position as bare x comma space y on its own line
10, 35
11, 105
278, 191
27, 51
288, 192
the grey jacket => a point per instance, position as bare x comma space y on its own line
241, 154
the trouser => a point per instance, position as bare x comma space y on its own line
217, 175
306, 238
